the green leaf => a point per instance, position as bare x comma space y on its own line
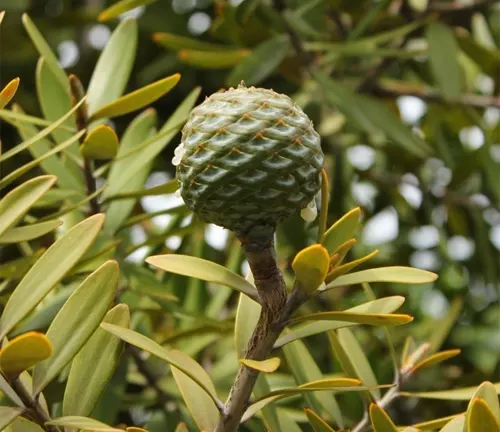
435, 359
353, 359
247, 316
488, 393
8, 92
55, 165
345, 268
407, 275
138, 99
44, 49
13, 116
261, 63
381, 422
106, 85
143, 155
83, 423
269, 365
24, 352
443, 59
383, 305
481, 418
120, 7
100, 143
317, 423
7, 391
17, 202
342, 230
94, 365
435, 423
55, 101
205, 270
177, 42
21, 424
43, 133
358, 318
200, 403
29, 232
171, 357
53, 265
8, 415
137, 132
77, 320
166, 188
222, 59
370, 115
310, 266
455, 425
462, 394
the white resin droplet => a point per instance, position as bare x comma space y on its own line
310, 212
179, 152
176, 160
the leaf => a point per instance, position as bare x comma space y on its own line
43, 133
261, 63
200, 403
55, 165
22, 424
77, 320
222, 59
24, 352
8, 414
17, 202
267, 366
345, 268
335, 385
353, 359
481, 418
100, 143
443, 59
435, 359
166, 188
247, 316
7, 391
8, 92
120, 7
317, 423
380, 421
137, 99
310, 266
358, 318
14, 116
94, 365
44, 49
435, 423
52, 266
462, 394
205, 270
383, 305
407, 275
83, 423
455, 425
174, 358
177, 42
106, 85
29, 232
137, 132
488, 393
2, 14
342, 230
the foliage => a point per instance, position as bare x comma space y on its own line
107, 323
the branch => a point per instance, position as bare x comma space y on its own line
456, 6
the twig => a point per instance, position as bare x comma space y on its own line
38, 414
456, 6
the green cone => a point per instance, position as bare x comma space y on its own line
249, 157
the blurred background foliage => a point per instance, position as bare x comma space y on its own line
429, 190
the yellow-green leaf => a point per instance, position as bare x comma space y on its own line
135, 429
83, 423
247, 316
181, 427
205, 270
406, 275
177, 42
120, 7
2, 14
342, 230
212, 59
317, 423
77, 320
100, 143
114, 66
381, 422
24, 352
481, 418
488, 393
267, 366
8, 392
435, 423
8, 92
455, 425
462, 394
138, 99
345, 268
8, 414
166, 188
17, 202
310, 266
94, 365
52, 266
359, 318
28, 232
22, 424
435, 359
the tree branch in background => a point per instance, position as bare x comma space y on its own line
457, 6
